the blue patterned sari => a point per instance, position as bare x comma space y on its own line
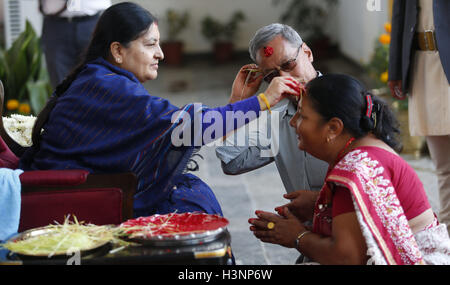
106, 122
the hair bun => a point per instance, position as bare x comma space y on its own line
367, 123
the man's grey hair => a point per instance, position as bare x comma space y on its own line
267, 33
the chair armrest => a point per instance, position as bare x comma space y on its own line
127, 182
53, 177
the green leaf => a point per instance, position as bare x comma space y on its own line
3, 66
34, 60
22, 71
177, 22
38, 92
19, 74
14, 50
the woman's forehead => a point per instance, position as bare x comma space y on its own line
304, 103
152, 33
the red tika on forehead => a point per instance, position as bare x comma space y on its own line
268, 51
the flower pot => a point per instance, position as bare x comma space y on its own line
223, 51
173, 52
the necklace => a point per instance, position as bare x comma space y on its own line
325, 203
343, 151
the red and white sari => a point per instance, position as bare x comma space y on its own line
379, 199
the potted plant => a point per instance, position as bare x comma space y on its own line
308, 17
222, 35
173, 47
24, 77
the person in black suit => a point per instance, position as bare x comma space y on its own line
419, 69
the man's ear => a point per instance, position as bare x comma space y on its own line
308, 52
335, 128
116, 50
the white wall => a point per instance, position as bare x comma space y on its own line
351, 25
29, 10
258, 13
1, 11
356, 29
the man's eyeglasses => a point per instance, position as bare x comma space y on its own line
286, 67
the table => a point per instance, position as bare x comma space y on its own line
216, 252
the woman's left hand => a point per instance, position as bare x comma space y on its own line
285, 229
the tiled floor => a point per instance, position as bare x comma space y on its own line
208, 83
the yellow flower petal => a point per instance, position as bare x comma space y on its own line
12, 104
384, 77
388, 28
385, 39
24, 108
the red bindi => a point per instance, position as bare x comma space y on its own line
268, 51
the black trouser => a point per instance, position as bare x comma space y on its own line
63, 42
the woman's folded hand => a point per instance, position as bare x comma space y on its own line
272, 228
301, 204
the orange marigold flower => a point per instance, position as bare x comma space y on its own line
384, 77
385, 39
388, 27
24, 108
12, 104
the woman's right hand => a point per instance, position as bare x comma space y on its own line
301, 205
280, 87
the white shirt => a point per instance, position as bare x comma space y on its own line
75, 8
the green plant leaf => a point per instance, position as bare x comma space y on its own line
14, 50
38, 92
35, 56
177, 22
211, 29
22, 71
3, 67
20, 74
308, 17
215, 31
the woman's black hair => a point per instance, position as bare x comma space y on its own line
123, 23
342, 96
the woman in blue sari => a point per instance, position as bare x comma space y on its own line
102, 119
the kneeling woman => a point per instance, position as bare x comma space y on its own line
372, 207
102, 119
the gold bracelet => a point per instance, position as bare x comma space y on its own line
299, 237
264, 98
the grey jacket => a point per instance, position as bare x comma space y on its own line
298, 170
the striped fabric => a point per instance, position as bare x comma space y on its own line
107, 122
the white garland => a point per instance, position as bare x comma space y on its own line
19, 128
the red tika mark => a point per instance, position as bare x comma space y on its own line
268, 51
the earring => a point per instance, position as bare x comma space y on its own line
328, 140
118, 60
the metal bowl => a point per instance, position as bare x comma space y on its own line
43, 231
179, 240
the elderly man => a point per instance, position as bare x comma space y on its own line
277, 50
